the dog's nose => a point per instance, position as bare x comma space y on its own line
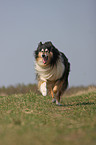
43, 55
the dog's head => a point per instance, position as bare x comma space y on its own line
46, 54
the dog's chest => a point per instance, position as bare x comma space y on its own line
51, 73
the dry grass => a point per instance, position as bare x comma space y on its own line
18, 89
23, 89
76, 91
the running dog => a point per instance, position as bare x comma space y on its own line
52, 70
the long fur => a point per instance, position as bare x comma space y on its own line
52, 70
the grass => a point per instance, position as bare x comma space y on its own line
31, 119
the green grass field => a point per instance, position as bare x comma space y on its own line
31, 119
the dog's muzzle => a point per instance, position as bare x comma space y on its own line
45, 58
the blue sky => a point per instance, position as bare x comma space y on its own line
69, 24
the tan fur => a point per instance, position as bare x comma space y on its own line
40, 59
55, 89
52, 93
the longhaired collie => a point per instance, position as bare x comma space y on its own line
52, 70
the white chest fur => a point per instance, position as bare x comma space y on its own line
51, 73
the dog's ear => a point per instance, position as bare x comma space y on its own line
51, 45
39, 44
48, 44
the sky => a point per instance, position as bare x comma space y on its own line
69, 24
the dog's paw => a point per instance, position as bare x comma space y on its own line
53, 100
43, 89
58, 103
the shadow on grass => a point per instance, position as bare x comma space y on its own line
85, 103
78, 104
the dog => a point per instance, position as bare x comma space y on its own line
52, 70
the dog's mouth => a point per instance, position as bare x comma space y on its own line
45, 58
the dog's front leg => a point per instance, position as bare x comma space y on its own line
53, 96
43, 88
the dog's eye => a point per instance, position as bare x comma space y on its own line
46, 50
42, 50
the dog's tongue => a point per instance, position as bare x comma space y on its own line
44, 60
